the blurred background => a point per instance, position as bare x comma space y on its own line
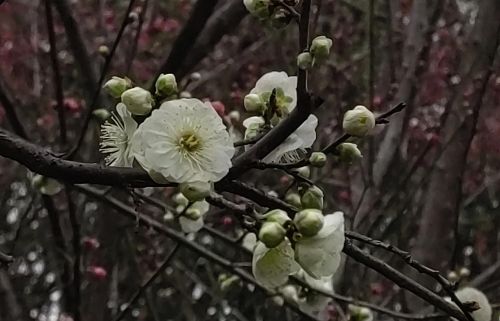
428, 181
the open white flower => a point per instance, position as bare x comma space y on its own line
319, 255
293, 148
190, 225
468, 294
315, 302
116, 135
184, 141
271, 267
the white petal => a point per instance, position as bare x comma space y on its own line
271, 267
319, 255
276, 79
253, 120
468, 294
191, 226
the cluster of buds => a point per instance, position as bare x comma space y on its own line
318, 53
273, 231
276, 13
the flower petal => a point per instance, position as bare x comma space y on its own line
271, 267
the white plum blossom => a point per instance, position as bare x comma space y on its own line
116, 135
319, 255
315, 302
271, 267
293, 148
188, 225
184, 141
468, 294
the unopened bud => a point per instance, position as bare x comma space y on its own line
180, 199
258, 8
349, 152
358, 121
464, 272
272, 234
278, 216
195, 76
192, 213
101, 114
303, 171
320, 48
453, 276
46, 185
234, 116
304, 61
138, 101
103, 50
166, 85
185, 94
309, 221
293, 199
253, 103
317, 159
196, 191
312, 197
116, 86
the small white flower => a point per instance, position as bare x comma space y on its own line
189, 225
319, 255
468, 294
116, 135
271, 267
184, 141
293, 148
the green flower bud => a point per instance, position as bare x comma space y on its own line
138, 101
253, 103
293, 199
349, 152
192, 213
278, 216
46, 185
101, 114
320, 48
258, 8
196, 191
312, 197
317, 159
304, 61
309, 221
166, 85
304, 171
180, 199
358, 121
272, 234
116, 86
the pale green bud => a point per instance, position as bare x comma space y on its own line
185, 94
138, 101
180, 199
278, 216
453, 276
195, 76
320, 48
103, 50
312, 197
254, 103
258, 8
303, 171
46, 185
195, 191
309, 221
272, 234
166, 85
317, 159
116, 86
179, 209
101, 114
349, 152
192, 213
293, 199
304, 61
358, 121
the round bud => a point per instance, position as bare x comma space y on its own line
293, 199
116, 86
192, 213
304, 61
234, 116
195, 76
453, 276
46, 185
320, 48
303, 171
464, 272
101, 114
166, 85
309, 221
138, 101
196, 191
312, 197
103, 50
272, 234
317, 159
278, 216
253, 103
349, 152
185, 94
180, 199
358, 121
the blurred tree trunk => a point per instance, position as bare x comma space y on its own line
435, 241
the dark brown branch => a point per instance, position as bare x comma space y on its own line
77, 254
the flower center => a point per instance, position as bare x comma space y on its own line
189, 142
